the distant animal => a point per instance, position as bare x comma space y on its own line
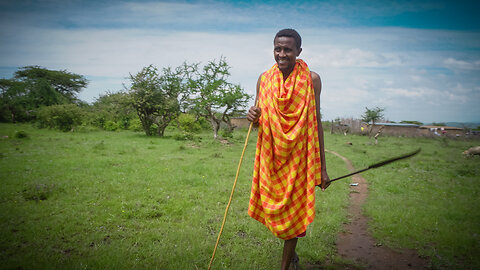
472, 151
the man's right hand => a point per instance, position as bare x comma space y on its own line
254, 114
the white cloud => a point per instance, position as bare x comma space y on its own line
360, 66
455, 64
403, 92
354, 57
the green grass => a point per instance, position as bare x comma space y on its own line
121, 200
428, 203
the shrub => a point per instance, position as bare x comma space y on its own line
62, 117
188, 123
20, 134
111, 126
226, 133
184, 136
135, 125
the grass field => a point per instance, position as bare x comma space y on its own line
121, 200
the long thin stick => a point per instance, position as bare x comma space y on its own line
231, 196
379, 164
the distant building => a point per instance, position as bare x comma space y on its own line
442, 131
395, 129
240, 122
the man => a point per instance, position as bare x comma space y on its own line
290, 156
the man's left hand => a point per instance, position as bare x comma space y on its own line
325, 181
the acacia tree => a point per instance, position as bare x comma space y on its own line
155, 97
65, 85
212, 96
372, 115
33, 87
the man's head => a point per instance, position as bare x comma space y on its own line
286, 48
290, 33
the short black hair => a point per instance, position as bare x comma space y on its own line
290, 33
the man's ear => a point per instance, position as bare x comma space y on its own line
299, 51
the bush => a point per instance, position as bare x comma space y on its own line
112, 126
135, 125
62, 117
20, 134
184, 136
188, 123
226, 133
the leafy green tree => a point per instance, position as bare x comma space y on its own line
33, 87
372, 116
155, 97
212, 96
14, 101
64, 83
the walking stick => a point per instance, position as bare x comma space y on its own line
231, 195
379, 164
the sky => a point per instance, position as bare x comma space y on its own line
420, 60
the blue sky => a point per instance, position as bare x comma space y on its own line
420, 60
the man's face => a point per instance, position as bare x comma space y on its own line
285, 53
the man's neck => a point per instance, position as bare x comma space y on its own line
286, 74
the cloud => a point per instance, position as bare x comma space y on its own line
355, 57
403, 92
407, 69
455, 64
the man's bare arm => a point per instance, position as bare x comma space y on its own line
317, 86
254, 112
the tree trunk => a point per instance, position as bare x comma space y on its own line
215, 127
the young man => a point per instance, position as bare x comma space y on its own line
290, 156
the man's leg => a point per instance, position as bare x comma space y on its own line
288, 251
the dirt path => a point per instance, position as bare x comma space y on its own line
356, 243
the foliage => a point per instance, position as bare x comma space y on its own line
135, 125
33, 87
111, 126
226, 132
15, 105
372, 116
188, 123
65, 83
20, 134
62, 117
411, 122
155, 97
212, 96
112, 111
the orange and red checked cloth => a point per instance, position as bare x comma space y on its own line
287, 160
